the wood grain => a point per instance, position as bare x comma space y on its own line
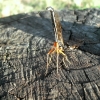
23, 58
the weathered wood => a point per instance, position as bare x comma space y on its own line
25, 40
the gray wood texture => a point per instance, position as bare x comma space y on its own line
25, 40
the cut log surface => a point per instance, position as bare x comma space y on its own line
25, 40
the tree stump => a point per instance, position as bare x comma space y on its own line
25, 40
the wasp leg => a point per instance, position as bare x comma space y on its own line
49, 53
65, 56
57, 59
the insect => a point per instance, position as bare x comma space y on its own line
58, 45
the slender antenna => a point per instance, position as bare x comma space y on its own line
57, 26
